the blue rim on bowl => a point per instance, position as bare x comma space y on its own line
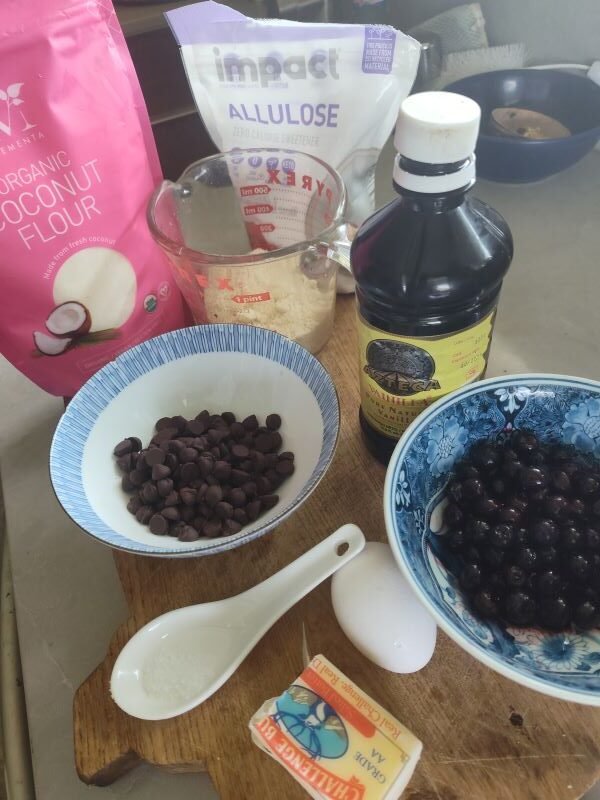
526, 656
80, 416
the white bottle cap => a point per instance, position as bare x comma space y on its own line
437, 128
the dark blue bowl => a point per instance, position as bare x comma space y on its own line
571, 99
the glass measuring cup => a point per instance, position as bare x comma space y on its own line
255, 236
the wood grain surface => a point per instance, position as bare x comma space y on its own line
484, 737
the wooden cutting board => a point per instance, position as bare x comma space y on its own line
484, 737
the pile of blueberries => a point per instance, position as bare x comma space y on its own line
523, 519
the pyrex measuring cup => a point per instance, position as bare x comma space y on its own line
255, 236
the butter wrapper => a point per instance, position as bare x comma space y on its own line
336, 741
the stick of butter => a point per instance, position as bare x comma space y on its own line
334, 739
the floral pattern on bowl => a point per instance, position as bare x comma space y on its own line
565, 665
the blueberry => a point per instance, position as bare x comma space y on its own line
562, 452
453, 515
486, 603
472, 554
509, 514
485, 456
487, 507
515, 577
493, 557
519, 608
555, 506
496, 582
508, 454
472, 489
586, 615
576, 508
511, 470
523, 441
518, 502
467, 470
497, 488
477, 530
571, 538
549, 583
532, 479
520, 537
587, 485
456, 539
595, 508
536, 458
547, 557
470, 577
560, 481
571, 468
544, 533
555, 612
527, 559
454, 489
579, 567
501, 536
592, 538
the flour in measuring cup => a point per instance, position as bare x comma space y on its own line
282, 294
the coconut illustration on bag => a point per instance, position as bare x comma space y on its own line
94, 291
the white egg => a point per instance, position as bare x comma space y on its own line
379, 612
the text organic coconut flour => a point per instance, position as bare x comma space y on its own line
81, 279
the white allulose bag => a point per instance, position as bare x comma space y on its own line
330, 90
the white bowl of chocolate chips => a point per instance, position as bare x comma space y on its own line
196, 441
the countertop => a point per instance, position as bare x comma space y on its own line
67, 597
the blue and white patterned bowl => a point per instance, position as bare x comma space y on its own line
565, 665
236, 368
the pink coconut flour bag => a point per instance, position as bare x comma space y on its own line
81, 280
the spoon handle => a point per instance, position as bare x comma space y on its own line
272, 598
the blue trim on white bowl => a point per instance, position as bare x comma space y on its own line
488, 647
74, 427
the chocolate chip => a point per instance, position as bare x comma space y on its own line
263, 442
263, 485
228, 417
190, 472
215, 435
158, 524
237, 431
143, 514
175, 528
253, 510
149, 493
134, 504
188, 455
175, 446
160, 471
250, 423
136, 443
188, 496
224, 510
237, 498
163, 422
187, 513
188, 534
155, 456
213, 495
212, 480
271, 460
171, 513
231, 527
268, 501
200, 443
258, 461
123, 448
164, 486
276, 440
222, 470
287, 456
124, 463
215, 452
165, 435
196, 427
239, 476
179, 423
273, 422
138, 476
250, 489
206, 465
203, 415
240, 452
240, 516
285, 467
126, 484
211, 528
172, 499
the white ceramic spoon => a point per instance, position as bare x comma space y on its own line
181, 658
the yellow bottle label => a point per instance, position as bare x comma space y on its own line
401, 375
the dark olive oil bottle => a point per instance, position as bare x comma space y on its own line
429, 268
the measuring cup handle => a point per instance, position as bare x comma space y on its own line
338, 250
